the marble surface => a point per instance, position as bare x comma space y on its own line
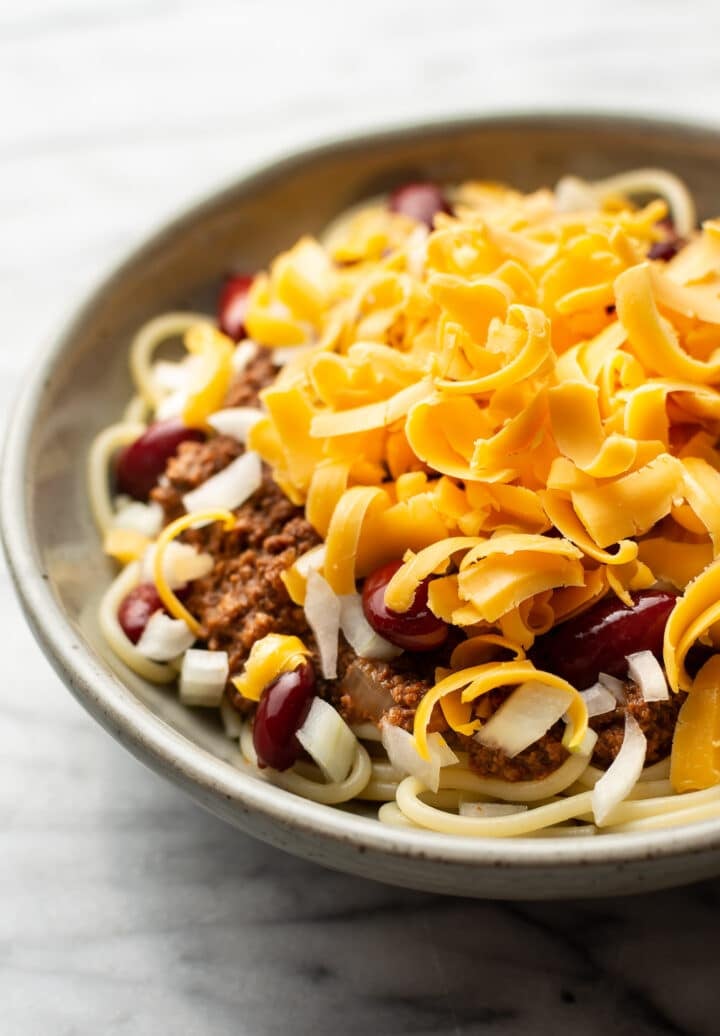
124, 909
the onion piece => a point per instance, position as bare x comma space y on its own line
171, 405
144, 518
623, 773
370, 697
328, 740
522, 720
164, 638
647, 673
575, 195
599, 700
182, 564
322, 611
174, 381
245, 351
615, 686
236, 421
203, 677
360, 635
491, 809
171, 376
229, 488
404, 756
311, 561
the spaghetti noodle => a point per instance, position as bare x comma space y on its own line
487, 433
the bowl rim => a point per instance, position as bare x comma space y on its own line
214, 782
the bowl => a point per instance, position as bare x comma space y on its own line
82, 383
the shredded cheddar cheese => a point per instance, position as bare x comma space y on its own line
125, 545
270, 656
214, 351
522, 369
186, 521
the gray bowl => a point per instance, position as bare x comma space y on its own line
81, 384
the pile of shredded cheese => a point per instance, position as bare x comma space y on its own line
518, 402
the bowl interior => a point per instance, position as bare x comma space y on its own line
86, 383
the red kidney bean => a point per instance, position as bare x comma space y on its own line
419, 201
417, 629
136, 608
281, 712
233, 305
599, 639
138, 605
666, 250
140, 464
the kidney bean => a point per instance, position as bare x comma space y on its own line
599, 639
233, 305
419, 201
417, 629
281, 712
141, 464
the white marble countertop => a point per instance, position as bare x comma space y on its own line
123, 907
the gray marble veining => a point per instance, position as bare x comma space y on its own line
123, 907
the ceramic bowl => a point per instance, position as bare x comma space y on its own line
82, 383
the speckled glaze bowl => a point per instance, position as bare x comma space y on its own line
81, 385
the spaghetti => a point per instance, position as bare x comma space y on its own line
487, 429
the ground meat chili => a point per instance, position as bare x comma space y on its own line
533, 764
193, 464
245, 389
244, 599
656, 719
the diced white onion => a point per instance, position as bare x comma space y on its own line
174, 376
647, 673
490, 809
144, 518
181, 564
328, 740
171, 405
232, 721
369, 695
623, 773
229, 488
175, 380
522, 720
360, 635
598, 700
322, 611
615, 686
311, 561
404, 756
244, 353
164, 638
575, 195
203, 677
236, 421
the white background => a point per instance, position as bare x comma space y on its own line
123, 908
